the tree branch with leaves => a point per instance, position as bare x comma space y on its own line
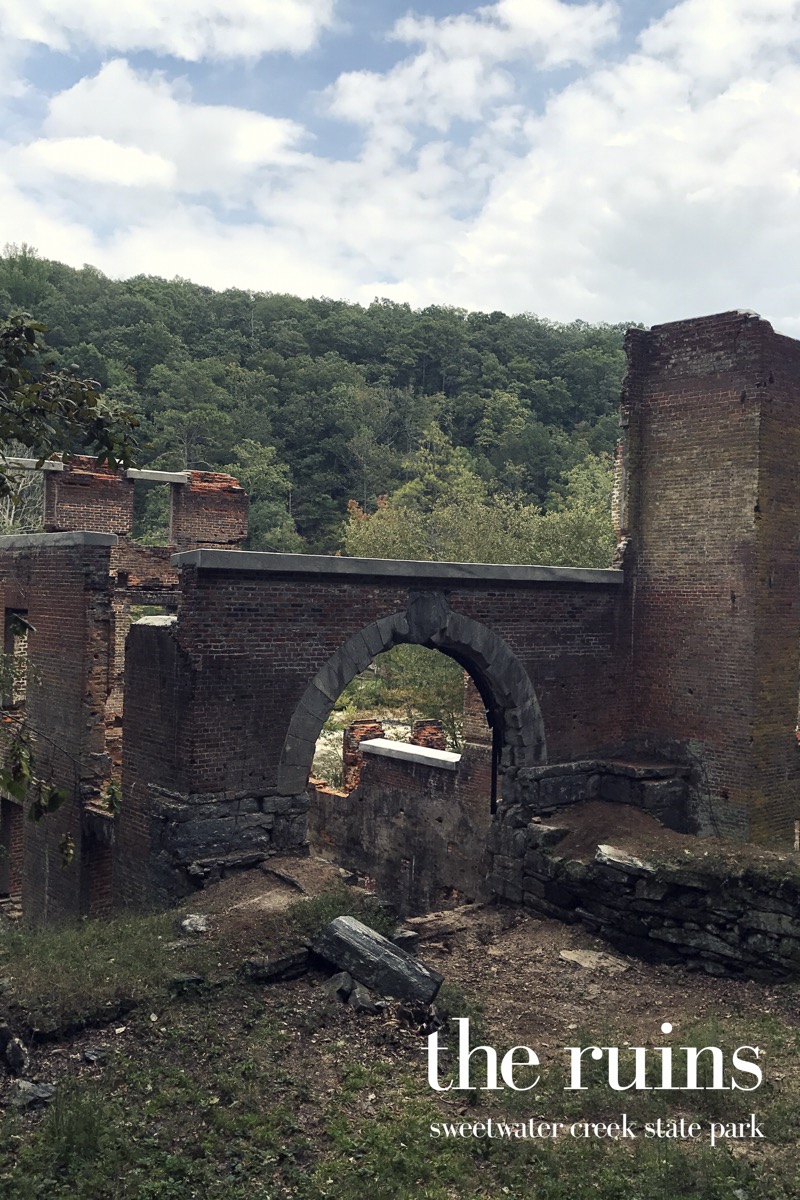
54, 413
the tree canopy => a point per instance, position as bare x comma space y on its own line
463, 526
314, 403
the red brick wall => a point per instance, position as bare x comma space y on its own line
774, 801
157, 700
143, 576
211, 510
428, 733
145, 567
712, 508
66, 591
476, 726
84, 496
253, 644
352, 758
79, 599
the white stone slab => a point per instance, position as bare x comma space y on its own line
386, 748
158, 476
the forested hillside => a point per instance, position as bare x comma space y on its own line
315, 403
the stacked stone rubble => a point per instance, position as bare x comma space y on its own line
700, 912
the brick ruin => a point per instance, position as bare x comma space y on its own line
669, 682
78, 586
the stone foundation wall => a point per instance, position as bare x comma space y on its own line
705, 912
418, 830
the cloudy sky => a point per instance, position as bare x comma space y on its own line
606, 159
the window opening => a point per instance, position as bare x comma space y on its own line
15, 650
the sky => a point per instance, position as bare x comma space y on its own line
606, 160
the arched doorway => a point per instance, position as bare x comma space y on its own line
385, 825
507, 692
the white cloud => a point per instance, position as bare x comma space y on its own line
661, 185
550, 32
633, 202
207, 147
27, 217
716, 41
187, 29
459, 72
651, 187
99, 160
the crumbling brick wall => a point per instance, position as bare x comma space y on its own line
173, 832
143, 576
352, 759
154, 729
259, 636
479, 782
209, 726
428, 733
11, 847
85, 496
211, 510
208, 508
476, 726
63, 584
690, 654
712, 508
79, 591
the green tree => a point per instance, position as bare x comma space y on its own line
24, 278
503, 529
412, 683
439, 472
346, 394
268, 483
191, 440
51, 412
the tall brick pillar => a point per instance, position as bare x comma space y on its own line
711, 504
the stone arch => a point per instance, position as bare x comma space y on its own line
502, 681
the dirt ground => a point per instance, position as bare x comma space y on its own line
532, 981
511, 961
636, 832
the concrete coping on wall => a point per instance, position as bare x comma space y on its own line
54, 464
34, 464
448, 760
42, 541
157, 476
266, 562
